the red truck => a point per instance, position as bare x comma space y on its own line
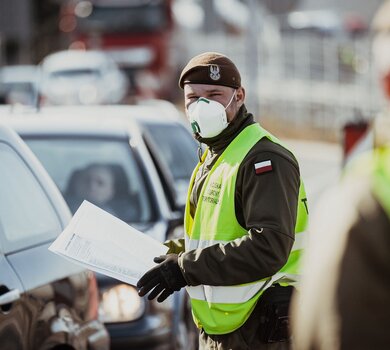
137, 34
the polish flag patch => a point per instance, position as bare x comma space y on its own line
263, 167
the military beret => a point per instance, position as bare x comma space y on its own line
210, 68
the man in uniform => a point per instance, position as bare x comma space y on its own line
344, 298
246, 207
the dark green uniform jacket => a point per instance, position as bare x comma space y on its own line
265, 204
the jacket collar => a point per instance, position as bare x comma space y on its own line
217, 144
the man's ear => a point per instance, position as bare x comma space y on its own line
240, 96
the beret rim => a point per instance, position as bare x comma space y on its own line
197, 71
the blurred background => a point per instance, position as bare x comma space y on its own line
306, 64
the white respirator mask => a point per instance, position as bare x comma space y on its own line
207, 117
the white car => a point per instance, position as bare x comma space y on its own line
123, 159
19, 84
78, 77
46, 302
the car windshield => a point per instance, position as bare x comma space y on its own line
178, 150
103, 171
145, 16
24, 87
71, 73
19, 92
22, 195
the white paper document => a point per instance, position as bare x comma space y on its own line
103, 243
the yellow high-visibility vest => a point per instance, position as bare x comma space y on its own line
223, 309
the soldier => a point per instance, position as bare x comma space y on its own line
246, 206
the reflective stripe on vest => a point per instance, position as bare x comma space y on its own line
299, 243
221, 310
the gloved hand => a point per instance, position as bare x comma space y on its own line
165, 278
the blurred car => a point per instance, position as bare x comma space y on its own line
173, 149
320, 22
75, 77
100, 154
46, 302
19, 84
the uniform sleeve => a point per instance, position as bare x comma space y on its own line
266, 205
347, 269
366, 251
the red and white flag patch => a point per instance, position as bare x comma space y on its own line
263, 167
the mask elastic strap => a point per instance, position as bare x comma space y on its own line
231, 100
200, 152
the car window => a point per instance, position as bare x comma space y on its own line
140, 17
102, 171
178, 149
70, 73
22, 87
26, 213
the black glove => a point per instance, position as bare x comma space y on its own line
165, 278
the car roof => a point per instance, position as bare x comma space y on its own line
19, 73
74, 59
115, 120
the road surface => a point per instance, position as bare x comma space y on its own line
320, 165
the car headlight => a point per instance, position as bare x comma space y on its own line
121, 303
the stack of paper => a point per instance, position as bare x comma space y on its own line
103, 243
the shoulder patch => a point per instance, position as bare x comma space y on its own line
263, 167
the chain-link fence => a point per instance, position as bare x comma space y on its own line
306, 82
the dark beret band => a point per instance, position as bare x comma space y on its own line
210, 68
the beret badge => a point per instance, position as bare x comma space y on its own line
214, 72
